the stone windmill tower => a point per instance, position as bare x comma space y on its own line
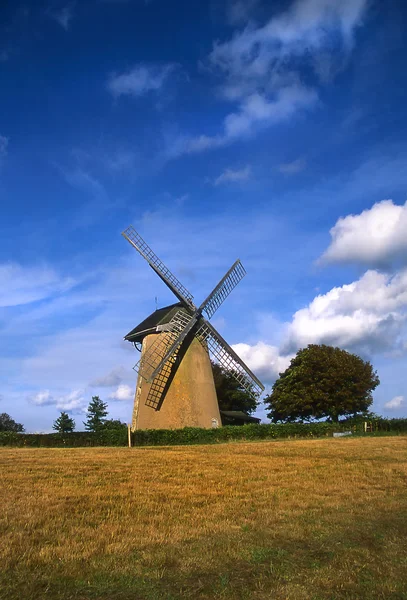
175, 386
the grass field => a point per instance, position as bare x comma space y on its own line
321, 519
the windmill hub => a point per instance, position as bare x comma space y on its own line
175, 386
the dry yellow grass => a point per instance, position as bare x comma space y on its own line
294, 520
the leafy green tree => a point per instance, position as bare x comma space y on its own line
322, 382
8, 424
96, 415
64, 423
231, 395
114, 424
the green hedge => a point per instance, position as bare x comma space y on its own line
194, 435
77, 439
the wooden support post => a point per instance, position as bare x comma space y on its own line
129, 434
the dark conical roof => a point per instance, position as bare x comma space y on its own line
149, 325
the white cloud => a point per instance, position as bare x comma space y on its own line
264, 360
123, 392
63, 16
396, 403
233, 176
257, 55
291, 168
255, 112
140, 80
367, 315
259, 66
374, 237
43, 398
71, 402
23, 285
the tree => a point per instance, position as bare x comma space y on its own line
231, 395
64, 423
114, 424
97, 411
8, 424
322, 382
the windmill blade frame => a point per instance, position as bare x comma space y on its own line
227, 358
180, 291
152, 361
219, 294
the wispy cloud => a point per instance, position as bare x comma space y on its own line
259, 67
24, 285
256, 112
63, 16
233, 176
140, 80
294, 167
267, 54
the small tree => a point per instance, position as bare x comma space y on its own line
64, 423
231, 395
96, 415
322, 382
8, 424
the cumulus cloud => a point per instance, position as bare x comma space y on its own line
23, 285
140, 80
264, 360
396, 403
72, 402
233, 176
367, 315
123, 392
291, 168
375, 237
43, 398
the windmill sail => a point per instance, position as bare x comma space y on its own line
153, 359
227, 358
223, 289
155, 263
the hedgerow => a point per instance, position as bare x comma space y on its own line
195, 435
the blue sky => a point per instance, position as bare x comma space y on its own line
270, 131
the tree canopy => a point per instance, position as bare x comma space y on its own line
322, 382
8, 424
64, 423
231, 395
96, 414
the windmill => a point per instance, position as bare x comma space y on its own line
175, 386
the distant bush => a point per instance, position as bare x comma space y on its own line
117, 436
